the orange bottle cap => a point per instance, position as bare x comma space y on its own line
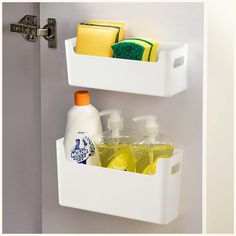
82, 98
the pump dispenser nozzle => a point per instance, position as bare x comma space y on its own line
115, 120
151, 127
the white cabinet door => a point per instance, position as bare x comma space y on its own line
180, 116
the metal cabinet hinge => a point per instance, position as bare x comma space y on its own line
28, 26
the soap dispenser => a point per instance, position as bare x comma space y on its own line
150, 146
113, 145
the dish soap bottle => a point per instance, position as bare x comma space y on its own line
113, 145
152, 146
83, 126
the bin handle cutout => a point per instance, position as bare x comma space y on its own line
178, 62
175, 169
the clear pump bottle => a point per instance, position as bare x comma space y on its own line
151, 146
113, 145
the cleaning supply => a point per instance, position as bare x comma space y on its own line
150, 147
83, 126
143, 49
153, 46
120, 25
113, 145
96, 40
131, 49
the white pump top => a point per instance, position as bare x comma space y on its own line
115, 120
151, 127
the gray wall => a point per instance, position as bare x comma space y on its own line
21, 126
180, 116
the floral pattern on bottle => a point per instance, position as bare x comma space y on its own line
83, 149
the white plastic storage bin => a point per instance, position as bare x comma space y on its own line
166, 77
150, 198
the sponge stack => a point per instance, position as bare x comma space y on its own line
96, 37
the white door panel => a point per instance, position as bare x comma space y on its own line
180, 116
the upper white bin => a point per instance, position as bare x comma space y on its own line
166, 77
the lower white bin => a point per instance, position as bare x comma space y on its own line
150, 198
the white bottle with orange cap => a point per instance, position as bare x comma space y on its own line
83, 126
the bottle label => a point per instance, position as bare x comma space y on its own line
83, 148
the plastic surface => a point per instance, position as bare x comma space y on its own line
113, 145
150, 146
166, 77
150, 126
150, 198
83, 126
115, 122
82, 98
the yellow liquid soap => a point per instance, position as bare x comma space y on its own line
146, 156
116, 156
113, 145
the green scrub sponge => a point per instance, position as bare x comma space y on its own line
131, 49
142, 49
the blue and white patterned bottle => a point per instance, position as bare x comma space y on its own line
83, 127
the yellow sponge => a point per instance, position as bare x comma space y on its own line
96, 40
121, 26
